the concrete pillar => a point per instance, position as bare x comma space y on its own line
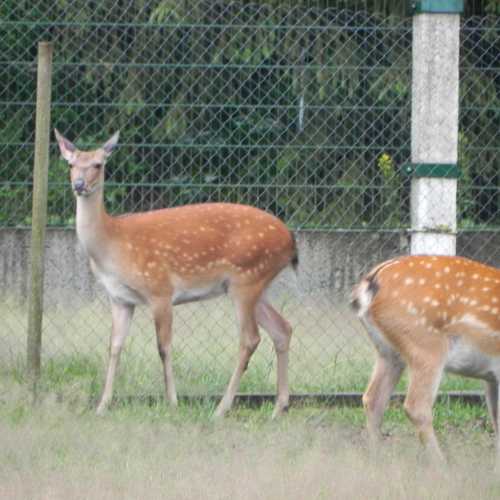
434, 135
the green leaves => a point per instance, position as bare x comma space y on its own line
304, 111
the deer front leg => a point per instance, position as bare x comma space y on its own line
121, 315
162, 312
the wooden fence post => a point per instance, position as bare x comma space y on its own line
39, 218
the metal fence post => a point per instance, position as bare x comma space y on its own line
434, 137
39, 219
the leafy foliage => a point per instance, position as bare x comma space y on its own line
291, 108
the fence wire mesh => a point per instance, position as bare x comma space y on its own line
302, 111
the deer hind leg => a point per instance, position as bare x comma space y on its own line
425, 375
386, 374
491, 393
121, 315
245, 301
280, 332
492, 402
162, 312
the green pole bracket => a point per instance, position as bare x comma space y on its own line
439, 170
437, 6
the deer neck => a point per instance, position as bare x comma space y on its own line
92, 223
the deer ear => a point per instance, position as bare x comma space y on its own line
111, 143
66, 147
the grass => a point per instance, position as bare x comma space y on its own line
60, 449
329, 353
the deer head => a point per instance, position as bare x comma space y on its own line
86, 167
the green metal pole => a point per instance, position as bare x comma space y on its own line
39, 219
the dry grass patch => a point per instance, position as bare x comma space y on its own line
61, 450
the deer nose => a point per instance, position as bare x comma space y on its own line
79, 185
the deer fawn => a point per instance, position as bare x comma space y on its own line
433, 314
177, 255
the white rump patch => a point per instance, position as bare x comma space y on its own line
364, 297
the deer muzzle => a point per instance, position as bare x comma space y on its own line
79, 186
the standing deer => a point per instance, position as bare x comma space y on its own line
177, 255
433, 314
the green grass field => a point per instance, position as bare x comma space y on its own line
329, 352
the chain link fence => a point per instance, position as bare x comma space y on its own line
300, 110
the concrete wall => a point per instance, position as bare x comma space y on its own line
331, 261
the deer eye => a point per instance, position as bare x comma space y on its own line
98, 165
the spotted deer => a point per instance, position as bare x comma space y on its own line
432, 314
172, 256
